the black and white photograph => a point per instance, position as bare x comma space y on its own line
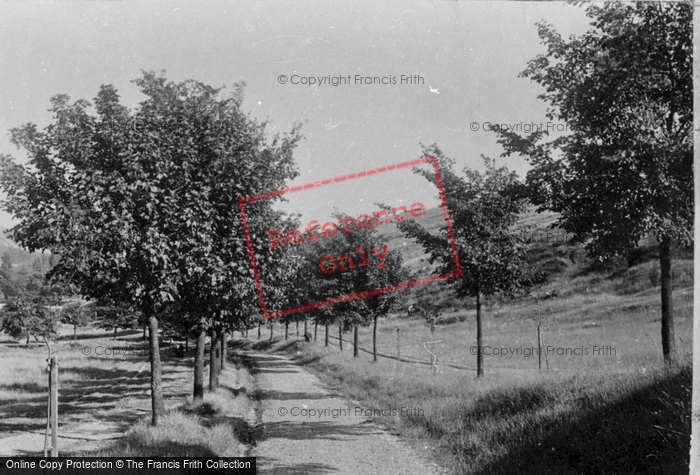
407, 237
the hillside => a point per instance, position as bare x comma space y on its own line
562, 265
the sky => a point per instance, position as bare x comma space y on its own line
459, 61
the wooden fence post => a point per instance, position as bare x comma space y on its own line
52, 416
539, 347
398, 346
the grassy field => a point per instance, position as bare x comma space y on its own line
599, 323
104, 389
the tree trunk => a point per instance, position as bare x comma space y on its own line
356, 349
315, 330
214, 359
305, 327
479, 341
695, 399
224, 349
668, 337
297, 327
156, 378
340, 336
326, 335
286, 330
198, 393
259, 329
374, 338
271, 325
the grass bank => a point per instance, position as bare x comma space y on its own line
510, 422
216, 426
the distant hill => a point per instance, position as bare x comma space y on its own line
548, 252
534, 226
557, 263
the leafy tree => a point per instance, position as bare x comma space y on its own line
311, 285
624, 169
8, 286
483, 209
379, 268
24, 318
114, 317
234, 304
140, 207
77, 315
383, 274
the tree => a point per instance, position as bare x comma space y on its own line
114, 317
695, 402
624, 169
77, 315
386, 272
483, 209
8, 286
25, 318
371, 265
141, 206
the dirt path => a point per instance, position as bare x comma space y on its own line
292, 438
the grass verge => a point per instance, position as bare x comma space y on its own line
510, 423
214, 426
179, 435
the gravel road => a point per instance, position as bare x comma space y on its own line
306, 428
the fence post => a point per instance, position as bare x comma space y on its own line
53, 388
48, 411
398, 345
539, 347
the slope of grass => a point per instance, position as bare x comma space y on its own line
178, 435
519, 423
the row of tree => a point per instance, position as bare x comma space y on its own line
142, 206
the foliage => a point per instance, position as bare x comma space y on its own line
23, 318
483, 209
78, 315
141, 206
624, 91
319, 285
112, 316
